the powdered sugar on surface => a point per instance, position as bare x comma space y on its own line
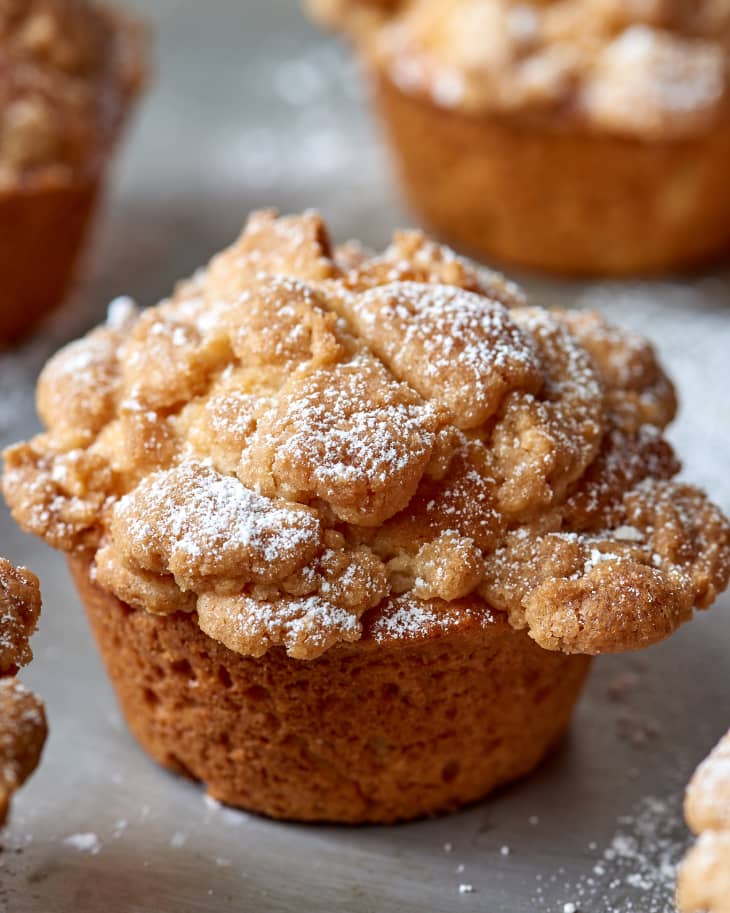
84, 842
635, 872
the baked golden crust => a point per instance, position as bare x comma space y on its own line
656, 69
704, 877
297, 435
22, 720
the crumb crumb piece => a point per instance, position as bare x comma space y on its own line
505, 851
448, 847
466, 889
570, 907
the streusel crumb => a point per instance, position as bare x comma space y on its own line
300, 433
22, 721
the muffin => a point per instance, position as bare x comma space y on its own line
704, 878
575, 136
69, 72
22, 718
349, 527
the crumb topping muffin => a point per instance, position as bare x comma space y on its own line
22, 719
704, 878
67, 71
653, 68
550, 134
300, 435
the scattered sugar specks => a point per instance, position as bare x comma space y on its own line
636, 871
84, 843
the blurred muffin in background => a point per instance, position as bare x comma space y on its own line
69, 70
574, 136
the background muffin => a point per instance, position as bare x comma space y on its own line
352, 471
576, 137
69, 70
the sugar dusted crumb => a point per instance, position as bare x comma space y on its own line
301, 435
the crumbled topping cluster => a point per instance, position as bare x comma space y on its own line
67, 68
704, 878
655, 68
22, 721
300, 435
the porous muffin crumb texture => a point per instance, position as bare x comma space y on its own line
22, 720
300, 434
67, 70
655, 68
704, 878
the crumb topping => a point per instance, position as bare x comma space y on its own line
22, 721
67, 70
300, 436
704, 877
654, 68
20, 606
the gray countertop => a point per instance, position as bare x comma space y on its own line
252, 107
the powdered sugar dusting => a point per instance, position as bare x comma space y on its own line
636, 871
406, 619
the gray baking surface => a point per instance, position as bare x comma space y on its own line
253, 107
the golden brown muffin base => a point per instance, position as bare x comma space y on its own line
566, 200
42, 231
369, 732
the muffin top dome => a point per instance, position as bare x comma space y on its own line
300, 435
67, 69
656, 68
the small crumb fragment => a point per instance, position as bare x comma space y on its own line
466, 889
505, 851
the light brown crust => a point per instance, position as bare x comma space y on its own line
412, 720
704, 877
22, 719
498, 187
297, 435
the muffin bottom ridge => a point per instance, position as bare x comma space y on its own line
382, 730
